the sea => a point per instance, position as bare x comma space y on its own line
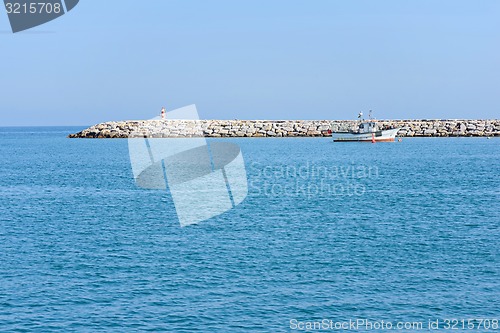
354, 237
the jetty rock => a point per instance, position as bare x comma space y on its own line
283, 128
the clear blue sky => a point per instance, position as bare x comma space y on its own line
317, 59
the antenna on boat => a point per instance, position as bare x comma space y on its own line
370, 115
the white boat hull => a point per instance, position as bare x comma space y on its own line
378, 136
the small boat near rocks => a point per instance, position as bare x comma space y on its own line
366, 131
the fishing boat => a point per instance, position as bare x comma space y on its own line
366, 131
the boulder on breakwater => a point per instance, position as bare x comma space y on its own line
283, 128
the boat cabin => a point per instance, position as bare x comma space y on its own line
367, 127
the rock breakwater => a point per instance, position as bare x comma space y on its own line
283, 128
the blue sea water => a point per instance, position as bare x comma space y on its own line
403, 231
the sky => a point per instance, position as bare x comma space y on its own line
251, 59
